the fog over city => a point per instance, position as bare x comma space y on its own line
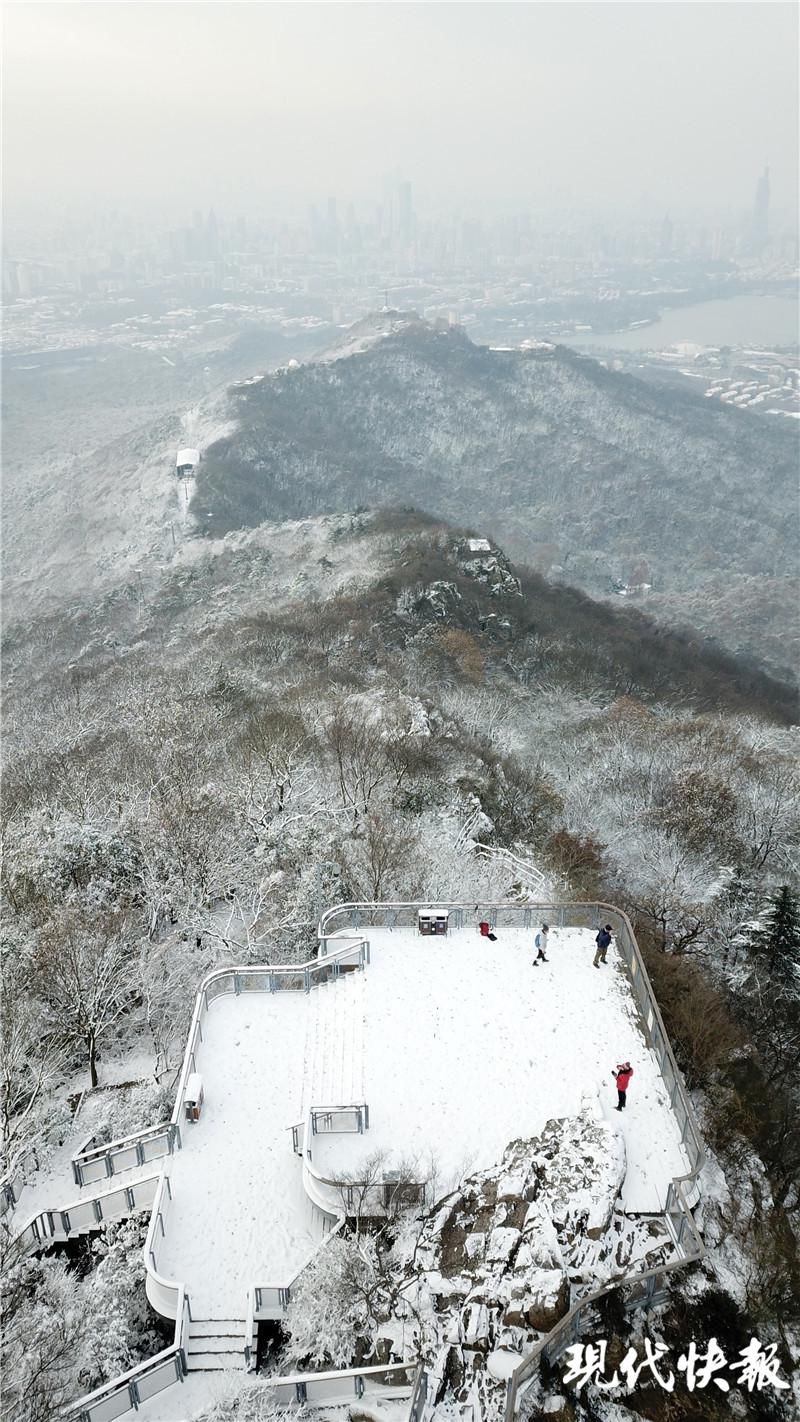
591, 108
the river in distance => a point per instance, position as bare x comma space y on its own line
733, 321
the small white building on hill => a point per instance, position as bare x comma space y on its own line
186, 462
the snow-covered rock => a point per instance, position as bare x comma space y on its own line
497, 1257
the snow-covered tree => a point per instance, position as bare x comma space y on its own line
122, 1330
30, 1058
43, 1333
778, 939
85, 972
328, 1319
380, 858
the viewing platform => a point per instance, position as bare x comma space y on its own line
458, 1045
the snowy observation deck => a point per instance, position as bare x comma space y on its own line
458, 1045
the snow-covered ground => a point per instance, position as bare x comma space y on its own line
53, 1186
458, 1045
468, 1046
239, 1215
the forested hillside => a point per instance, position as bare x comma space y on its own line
196, 767
589, 476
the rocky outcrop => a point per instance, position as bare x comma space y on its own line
487, 565
496, 1261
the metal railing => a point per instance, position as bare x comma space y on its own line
266, 978
390, 915
396, 1380
85, 1215
170, 1299
644, 1289
127, 1153
146, 1380
339, 1120
15, 1178
467, 828
528, 874
343, 1196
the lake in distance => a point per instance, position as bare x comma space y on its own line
731, 321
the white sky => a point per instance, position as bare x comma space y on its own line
584, 105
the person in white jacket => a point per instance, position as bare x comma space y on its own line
540, 944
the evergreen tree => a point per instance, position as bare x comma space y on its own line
779, 939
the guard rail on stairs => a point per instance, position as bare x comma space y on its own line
85, 1215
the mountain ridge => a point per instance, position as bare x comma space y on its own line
588, 475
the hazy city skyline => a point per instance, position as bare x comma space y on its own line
606, 108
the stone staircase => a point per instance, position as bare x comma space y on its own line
215, 1345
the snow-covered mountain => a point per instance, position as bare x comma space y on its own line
629, 492
592, 477
203, 757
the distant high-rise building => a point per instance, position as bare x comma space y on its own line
760, 228
332, 226
212, 235
665, 242
405, 213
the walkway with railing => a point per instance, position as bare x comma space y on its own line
240, 1211
203, 1338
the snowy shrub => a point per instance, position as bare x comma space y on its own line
329, 1314
123, 1328
249, 1401
43, 1330
49, 1125
86, 862
133, 1109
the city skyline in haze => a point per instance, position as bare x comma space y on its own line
630, 110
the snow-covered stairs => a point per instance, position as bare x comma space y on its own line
215, 1345
333, 1072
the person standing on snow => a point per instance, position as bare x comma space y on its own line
603, 941
540, 944
622, 1076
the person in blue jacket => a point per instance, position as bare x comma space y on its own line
603, 941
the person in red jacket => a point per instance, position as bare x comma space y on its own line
622, 1076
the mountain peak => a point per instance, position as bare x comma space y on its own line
379, 326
